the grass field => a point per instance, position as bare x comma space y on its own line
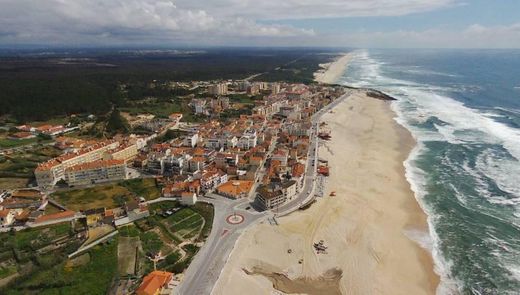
11, 143
108, 196
145, 187
6, 271
13, 182
21, 164
93, 277
126, 255
35, 238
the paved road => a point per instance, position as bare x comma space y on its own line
205, 269
307, 192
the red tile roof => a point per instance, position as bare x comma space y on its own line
154, 282
59, 215
96, 164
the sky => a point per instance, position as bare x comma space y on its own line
321, 23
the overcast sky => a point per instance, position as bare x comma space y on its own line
352, 23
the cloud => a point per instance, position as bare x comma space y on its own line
473, 36
199, 21
304, 9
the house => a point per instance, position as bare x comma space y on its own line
134, 211
94, 216
223, 160
60, 216
211, 179
175, 118
297, 173
188, 198
235, 189
155, 283
218, 89
323, 170
22, 135
196, 163
7, 217
281, 155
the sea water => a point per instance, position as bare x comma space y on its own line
463, 109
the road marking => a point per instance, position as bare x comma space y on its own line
224, 232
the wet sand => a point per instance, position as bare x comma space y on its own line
364, 226
331, 72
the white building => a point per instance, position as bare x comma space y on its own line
191, 140
49, 173
218, 89
95, 172
248, 140
188, 198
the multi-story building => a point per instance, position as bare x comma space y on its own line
191, 139
275, 194
248, 140
95, 172
221, 140
49, 173
218, 89
199, 106
124, 152
281, 155
222, 160
275, 88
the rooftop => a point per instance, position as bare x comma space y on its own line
96, 164
236, 188
153, 282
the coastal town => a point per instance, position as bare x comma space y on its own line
242, 152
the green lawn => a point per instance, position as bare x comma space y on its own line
180, 215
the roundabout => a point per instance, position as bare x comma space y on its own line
235, 219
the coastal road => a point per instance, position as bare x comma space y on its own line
205, 269
307, 192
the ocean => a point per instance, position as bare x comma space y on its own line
463, 109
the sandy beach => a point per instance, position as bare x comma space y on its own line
365, 225
331, 72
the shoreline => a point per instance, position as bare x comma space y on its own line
331, 72
373, 210
368, 227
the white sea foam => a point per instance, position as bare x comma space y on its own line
417, 180
501, 170
463, 125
